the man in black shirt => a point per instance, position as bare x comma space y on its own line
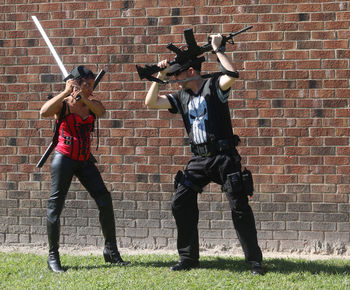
203, 104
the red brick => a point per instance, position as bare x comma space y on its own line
289, 105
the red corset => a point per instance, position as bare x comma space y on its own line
74, 136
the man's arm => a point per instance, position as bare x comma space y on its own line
153, 99
225, 81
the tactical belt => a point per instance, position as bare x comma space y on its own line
215, 147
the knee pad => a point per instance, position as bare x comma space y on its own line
247, 182
181, 178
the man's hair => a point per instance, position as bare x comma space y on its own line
197, 66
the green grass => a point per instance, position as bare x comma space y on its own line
29, 271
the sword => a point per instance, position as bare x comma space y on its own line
66, 76
52, 49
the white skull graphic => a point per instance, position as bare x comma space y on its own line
198, 113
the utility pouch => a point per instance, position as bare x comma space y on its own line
178, 178
247, 182
233, 183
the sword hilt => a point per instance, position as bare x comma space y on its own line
98, 78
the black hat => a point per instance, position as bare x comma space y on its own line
178, 68
81, 72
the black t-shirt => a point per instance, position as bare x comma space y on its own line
206, 115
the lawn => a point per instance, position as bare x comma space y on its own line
29, 271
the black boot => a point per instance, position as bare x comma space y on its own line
53, 234
112, 255
185, 265
106, 217
54, 263
256, 268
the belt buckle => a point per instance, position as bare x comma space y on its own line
204, 151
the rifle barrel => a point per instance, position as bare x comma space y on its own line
240, 31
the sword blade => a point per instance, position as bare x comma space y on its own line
52, 49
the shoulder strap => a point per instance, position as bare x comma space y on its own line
63, 111
59, 121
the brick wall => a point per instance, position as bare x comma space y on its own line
290, 107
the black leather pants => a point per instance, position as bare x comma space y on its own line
62, 171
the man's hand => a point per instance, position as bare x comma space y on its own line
153, 99
162, 74
216, 40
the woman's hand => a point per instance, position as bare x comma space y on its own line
70, 84
84, 89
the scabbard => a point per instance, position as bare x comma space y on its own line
46, 154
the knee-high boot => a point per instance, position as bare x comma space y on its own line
53, 260
110, 251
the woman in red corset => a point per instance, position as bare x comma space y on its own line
73, 157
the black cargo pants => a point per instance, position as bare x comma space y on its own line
200, 171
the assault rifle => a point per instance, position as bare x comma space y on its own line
54, 141
183, 56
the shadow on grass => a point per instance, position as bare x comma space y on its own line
89, 267
217, 263
238, 265
283, 266
286, 266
